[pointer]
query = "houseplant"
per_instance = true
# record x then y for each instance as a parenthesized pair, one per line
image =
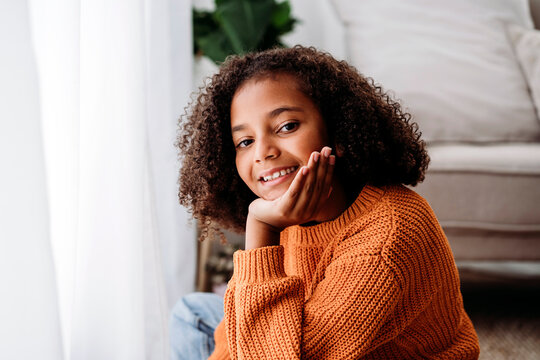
(240, 26)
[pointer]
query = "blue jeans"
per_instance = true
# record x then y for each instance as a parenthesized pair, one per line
(193, 321)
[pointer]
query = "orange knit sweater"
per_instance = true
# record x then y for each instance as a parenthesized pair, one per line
(378, 282)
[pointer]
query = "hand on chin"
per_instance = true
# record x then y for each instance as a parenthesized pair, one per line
(296, 204)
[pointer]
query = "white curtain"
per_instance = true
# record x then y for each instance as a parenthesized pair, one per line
(94, 249)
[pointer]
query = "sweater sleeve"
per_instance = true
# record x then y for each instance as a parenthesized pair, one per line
(347, 315)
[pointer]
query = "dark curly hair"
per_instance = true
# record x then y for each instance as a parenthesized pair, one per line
(379, 144)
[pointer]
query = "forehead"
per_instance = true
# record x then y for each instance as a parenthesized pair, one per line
(261, 96)
(282, 77)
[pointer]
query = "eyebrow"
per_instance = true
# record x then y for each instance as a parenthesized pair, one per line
(238, 128)
(272, 114)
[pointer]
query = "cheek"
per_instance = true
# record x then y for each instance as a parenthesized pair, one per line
(311, 144)
(243, 170)
(238, 165)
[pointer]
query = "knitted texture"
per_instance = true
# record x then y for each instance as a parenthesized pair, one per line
(378, 282)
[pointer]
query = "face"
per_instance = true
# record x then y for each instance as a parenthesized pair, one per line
(275, 128)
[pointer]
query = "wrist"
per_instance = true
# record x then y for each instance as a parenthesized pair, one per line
(259, 234)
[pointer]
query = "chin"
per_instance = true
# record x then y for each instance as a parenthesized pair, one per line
(272, 195)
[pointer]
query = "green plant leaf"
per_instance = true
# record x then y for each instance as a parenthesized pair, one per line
(216, 46)
(203, 25)
(281, 14)
(287, 27)
(203, 22)
(239, 26)
(244, 21)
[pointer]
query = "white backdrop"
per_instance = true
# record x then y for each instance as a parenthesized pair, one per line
(94, 249)
(319, 26)
(28, 308)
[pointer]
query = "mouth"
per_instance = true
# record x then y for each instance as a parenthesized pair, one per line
(278, 174)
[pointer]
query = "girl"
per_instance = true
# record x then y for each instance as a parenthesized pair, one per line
(341, 260)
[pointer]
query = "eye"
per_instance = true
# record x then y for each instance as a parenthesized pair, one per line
(244, 143)
(288, 127)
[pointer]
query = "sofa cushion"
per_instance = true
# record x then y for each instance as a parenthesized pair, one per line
(485, 187)
(450, 62)
(527, 47)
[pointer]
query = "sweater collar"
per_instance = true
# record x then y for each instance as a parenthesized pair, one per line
(320, 234)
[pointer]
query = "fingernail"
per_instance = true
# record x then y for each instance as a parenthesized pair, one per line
(316, 157)
(305, 170)
(327, 151)
(332, 160)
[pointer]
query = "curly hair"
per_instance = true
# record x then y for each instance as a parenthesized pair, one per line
(379, 144)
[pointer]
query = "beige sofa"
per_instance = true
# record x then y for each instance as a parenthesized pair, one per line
(483, 136)
(487, 197)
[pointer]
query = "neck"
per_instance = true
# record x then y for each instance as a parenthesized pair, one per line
(335, 205)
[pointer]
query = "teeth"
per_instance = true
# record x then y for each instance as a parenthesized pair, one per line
(279, 173)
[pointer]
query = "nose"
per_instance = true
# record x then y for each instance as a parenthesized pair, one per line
(265, 149)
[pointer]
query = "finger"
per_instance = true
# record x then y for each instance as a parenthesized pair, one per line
(328, 180)
(290, 197)
(302, 205)
(328, 175)
(320, 190)
(325, 179)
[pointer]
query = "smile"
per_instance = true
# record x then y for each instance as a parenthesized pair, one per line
(278, 174)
